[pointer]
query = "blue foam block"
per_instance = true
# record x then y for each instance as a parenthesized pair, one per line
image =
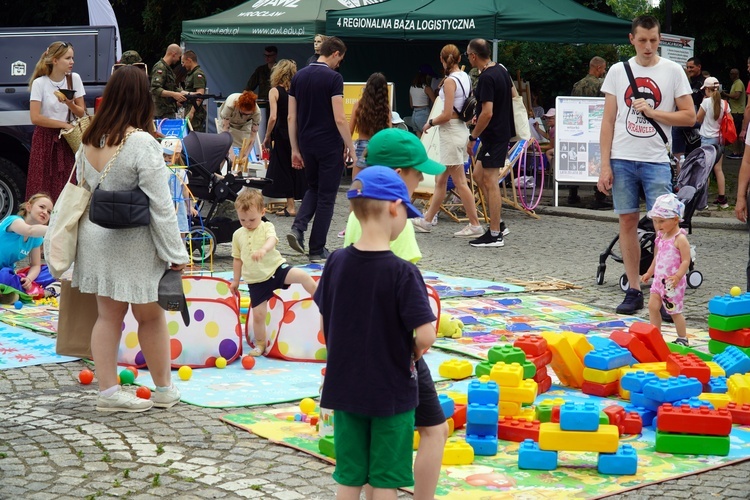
(623, 462)
(607, 358)
(726, 305)
(732, 360)
(483, 445)
(482, 414)
(670, 389)
(579, 416)
(634, 381)
(483, 392)
(530, 457)
(447, 404)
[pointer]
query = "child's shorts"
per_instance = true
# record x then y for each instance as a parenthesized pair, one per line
(374, 450)
(261, 292)
(428, 412)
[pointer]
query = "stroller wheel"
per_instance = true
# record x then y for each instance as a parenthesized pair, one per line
(201, 243)
(694, 279)
(600, 274)
(624, 285)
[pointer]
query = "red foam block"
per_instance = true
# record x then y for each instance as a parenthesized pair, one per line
(740, 338)
(517, 430)
(686, 420)
(544, 385)
(542, 360)
(740, 413)
(632, 424)
(651, 337)
(616, 414)
(689, 365)
(532, 345)
(601, 390)
(637, 348)
(459, 416)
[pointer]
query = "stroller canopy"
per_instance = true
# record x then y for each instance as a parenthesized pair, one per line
(207, 150)
(697, 167)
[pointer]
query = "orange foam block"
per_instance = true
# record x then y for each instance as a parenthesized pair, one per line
(651, 337)
(565, 361)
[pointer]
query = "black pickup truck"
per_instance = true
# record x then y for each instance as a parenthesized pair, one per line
(20, 49)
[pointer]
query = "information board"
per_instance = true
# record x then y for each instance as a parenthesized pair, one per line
(352, 94)
(578, 157)
(676, 48)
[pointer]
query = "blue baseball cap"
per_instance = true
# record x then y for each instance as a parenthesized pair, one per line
(383, 183)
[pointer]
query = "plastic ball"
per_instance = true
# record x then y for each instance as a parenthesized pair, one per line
(143, 392)
(307, 406)
(248, 362)
(185, 372)
(221, 362)
(86, 376)
(18, 304)
(735, 291)
(134, 370)
(126, 377)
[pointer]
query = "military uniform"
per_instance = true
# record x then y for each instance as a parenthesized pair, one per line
(196, 80)
(163, 78)
(589, 86)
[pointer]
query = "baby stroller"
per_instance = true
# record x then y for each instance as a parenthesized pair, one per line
(204, 156)
(690, 186)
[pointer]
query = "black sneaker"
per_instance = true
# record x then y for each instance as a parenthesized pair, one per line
(504, 229)
(683, 341)
(633, 302)
(665, 316)
(319, 258)
(296, 240)
(487, 240)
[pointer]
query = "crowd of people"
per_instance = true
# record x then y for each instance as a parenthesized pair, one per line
(311, 144)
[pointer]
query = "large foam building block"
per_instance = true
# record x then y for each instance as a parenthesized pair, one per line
(651, 337)
(688, 420)
(733, 360)
(530, 457)
(689, 365)
(726, 305)
(455, 369)
(622, 462)
(690, 444)
(603, 440)
(482, 414)
(740, 413)
(457, 452)
(565, 362)
(728, 323)
(738, 387)
(579, 416)
(607, 359)
(637, 348)
(506, 354)
(634, 381)
(483, 393)
(672, 389)
(483, 445)
(601, 390)
(532, 345)
(517, 430)
(740, 338)
(508, 375)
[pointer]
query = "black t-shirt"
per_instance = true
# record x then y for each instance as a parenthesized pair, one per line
(313, 87)
(494, 84)
(370, 303)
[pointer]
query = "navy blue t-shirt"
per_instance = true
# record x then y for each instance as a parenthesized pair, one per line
(371, 302)
(494, 84)
(313, 87)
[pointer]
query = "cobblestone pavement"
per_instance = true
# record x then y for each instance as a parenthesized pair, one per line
(53, 444)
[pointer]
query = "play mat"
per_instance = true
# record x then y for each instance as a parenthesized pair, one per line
(20, 348)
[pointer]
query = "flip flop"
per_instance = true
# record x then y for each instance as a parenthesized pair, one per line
(286, 213)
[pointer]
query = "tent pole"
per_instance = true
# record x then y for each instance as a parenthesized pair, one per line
(494, 50)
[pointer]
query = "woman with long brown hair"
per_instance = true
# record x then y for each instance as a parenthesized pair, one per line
(288, 182)
(370, 115)
(56, 100)
(122, 267)
(454, 135)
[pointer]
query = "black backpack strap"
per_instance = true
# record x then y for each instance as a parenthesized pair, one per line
(462, 90)
(637, 95)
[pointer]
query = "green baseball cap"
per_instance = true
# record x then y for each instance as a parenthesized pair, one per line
(396, 148)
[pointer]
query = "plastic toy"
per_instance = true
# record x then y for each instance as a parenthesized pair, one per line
(615, 414)
(689, 365)
(532, 345)
(517, 429)
(716, 370)
(126, 377)
(530, 457)
(622, 462)
(455, 369)
(450, 327)
(526, 392)
(733, 360)
(185, 372)
(579, 342)
(651, 338)
(248, 362)
(603, 440)
(481, 429)
(717, 347)
(221, 362)
(85, 376)
(691, 444)
(717, 400)
(740, 413)
(457, 452)
(544, 386)
(307, 406)
(634, 381)
(482, 445)
(735, 291)
(134, 370)
(482, 414)
(18, 304)
(483, 392)
(740, 338)
(542, 360)
(447, 404)
(637, 348)
(507, 375)
(693, 403)
(730, 305)
(601, 376)
(717, 385)
(143, 392)
(506, 354)
(684, 350)
(607, 359)
(544, 408)
(646, 415)
(728, 322)
(672, 389)
(579, 417)
(738, 387)
(565, 362)
(601, 390)
(459, 416)
(326, 447)
(688, 420)
(632, 423)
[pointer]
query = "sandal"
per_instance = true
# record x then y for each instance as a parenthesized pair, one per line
(286, 213)
(258, 350)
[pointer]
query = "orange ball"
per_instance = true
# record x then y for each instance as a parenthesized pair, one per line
(134, 370)
(248, 362)
(143, 392)
(86, 376)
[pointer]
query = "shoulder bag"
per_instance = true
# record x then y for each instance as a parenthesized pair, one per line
(74, 135)
(61, 239)
(119, 209)
(466, 114)
(727, 130)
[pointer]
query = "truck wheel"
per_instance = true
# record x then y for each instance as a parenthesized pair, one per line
(12, 185)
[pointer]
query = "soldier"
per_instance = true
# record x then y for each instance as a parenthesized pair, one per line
(164, 89)
(195, 83)
(130, 57)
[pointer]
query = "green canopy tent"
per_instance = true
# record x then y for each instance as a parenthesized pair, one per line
(554, 21)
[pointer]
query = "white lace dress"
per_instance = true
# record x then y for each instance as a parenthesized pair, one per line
(127, 264)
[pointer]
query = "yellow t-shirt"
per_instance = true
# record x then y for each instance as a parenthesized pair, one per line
(247, 241)
(405, 246)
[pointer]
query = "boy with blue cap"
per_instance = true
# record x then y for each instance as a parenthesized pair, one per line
(371, 380)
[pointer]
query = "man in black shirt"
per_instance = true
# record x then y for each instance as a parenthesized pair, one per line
(681, 146)
(495, 127)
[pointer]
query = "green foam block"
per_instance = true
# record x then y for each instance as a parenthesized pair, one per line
(681, 349)
(691, 444)
(728, 323)
(716, 347)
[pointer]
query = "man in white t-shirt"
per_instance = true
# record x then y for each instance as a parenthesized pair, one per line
(634, 155)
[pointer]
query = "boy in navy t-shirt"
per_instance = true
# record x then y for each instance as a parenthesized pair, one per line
(371, 382)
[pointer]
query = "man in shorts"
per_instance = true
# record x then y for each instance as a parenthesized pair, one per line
(495, 127)
(634, 156)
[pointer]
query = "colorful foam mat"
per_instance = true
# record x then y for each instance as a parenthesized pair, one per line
(20, 348)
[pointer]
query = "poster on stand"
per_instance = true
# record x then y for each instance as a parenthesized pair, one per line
(676, 48)
(578, 157)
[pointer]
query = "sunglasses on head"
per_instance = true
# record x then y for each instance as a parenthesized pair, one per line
(64, 45)
(139, 65)
(467, 54)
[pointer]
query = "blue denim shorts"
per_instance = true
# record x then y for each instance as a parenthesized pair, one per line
(710, 141)
(631, 176)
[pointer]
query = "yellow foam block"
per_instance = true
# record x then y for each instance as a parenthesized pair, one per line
(579, 343)
(663, 374)
(624, 394)
(416, 440)
(716, 370)
(601, 376)
(484, 379)
(739, 388)
(456, 369)
(509, 408)
(459, 398)
(458, 452)
(565, 362)
(527, 412)
(524, 393)
(507, 375)
(604, 440)
(718, 400)
(658, 366)
(547, 403)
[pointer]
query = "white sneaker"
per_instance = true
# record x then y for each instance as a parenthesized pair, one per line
(166, 399)
(469, 232)
(341, 234)
(435, 220)
(421, 225)
(122, 401)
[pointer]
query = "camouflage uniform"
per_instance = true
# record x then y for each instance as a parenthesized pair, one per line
(130, 57)
(588, 86)
(196, 80)
(163, 78)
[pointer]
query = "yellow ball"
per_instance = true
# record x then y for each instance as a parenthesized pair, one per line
(221, 362)
(185, 372)
(307, 406)
(735, 291)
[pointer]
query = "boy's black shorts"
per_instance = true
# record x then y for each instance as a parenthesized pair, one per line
(261, 292)
(429, 412)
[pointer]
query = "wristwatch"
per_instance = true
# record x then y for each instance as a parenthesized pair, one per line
(472, 139)
(430, 122)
